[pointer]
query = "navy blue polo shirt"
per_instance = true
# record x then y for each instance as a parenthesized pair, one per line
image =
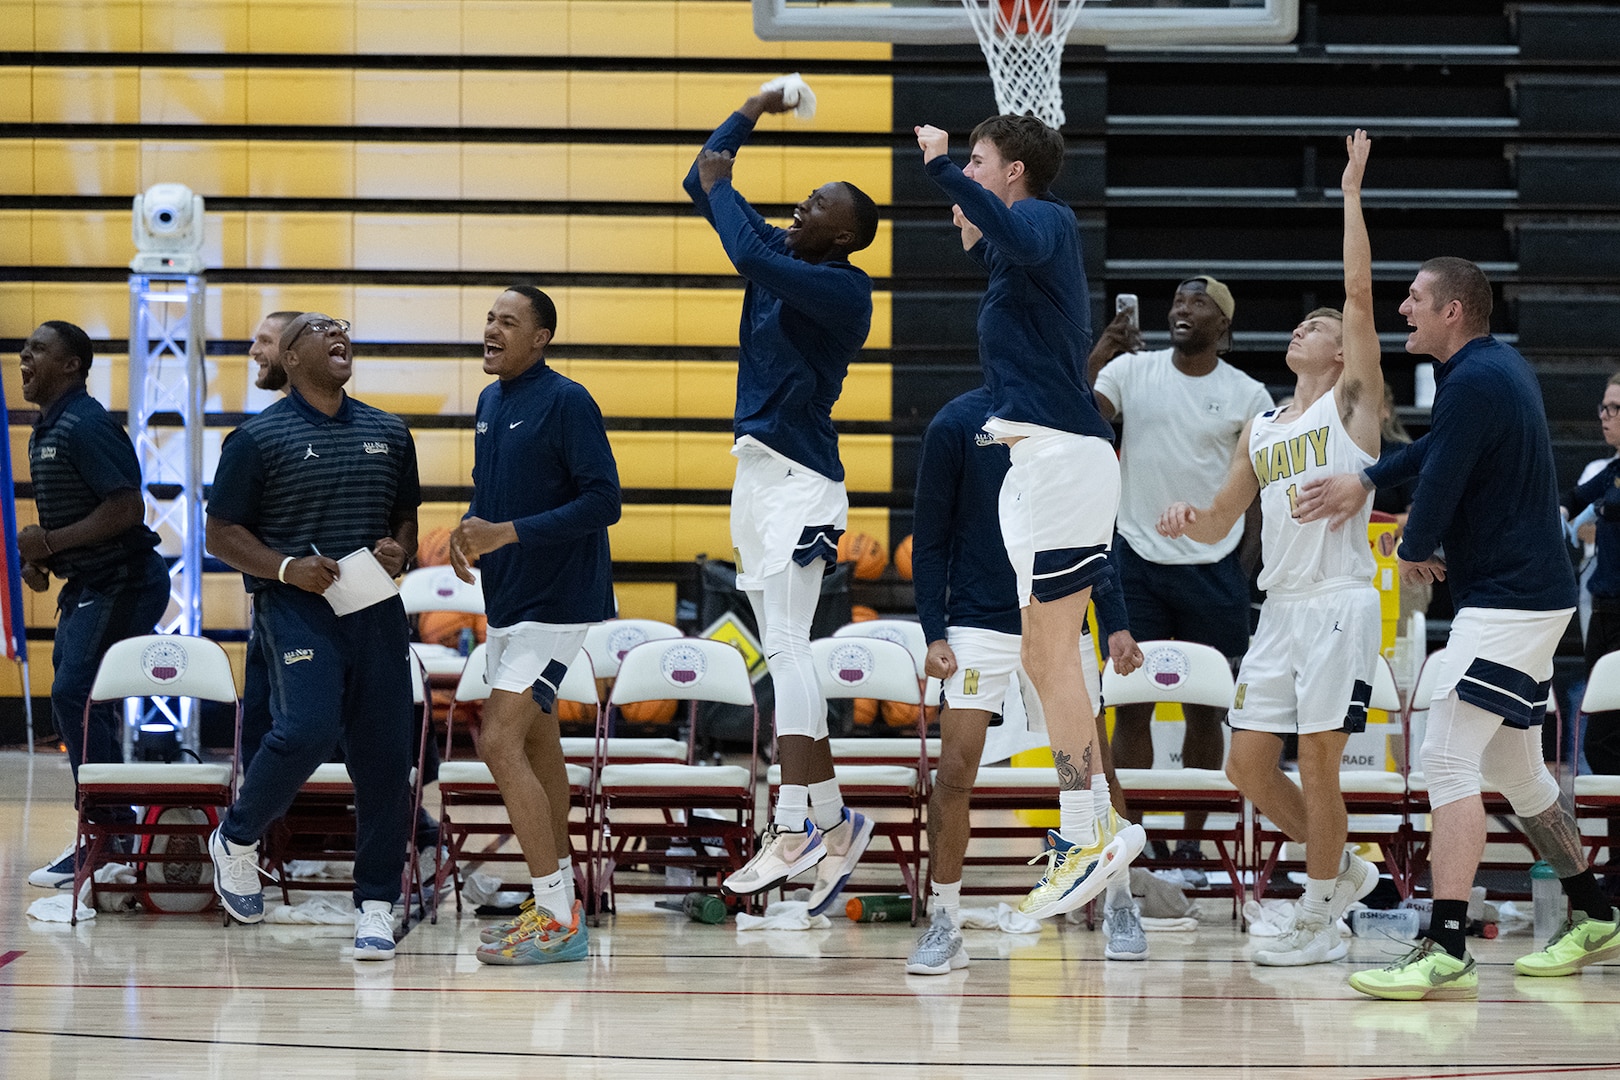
(300, 480)
(541, 460)
(959, 564)
(802, 323)
(78, 455)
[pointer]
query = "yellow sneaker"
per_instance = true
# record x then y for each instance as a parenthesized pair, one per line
(1578, 943)
(1427, 973)
(1074, 876)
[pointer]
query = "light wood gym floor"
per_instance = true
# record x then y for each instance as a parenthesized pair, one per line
(179, 996)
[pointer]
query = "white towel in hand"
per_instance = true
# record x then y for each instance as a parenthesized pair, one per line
(1003, 917)
(796, 93)
(783, 915)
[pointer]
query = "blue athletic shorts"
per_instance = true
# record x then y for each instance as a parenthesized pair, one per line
(1206, 603)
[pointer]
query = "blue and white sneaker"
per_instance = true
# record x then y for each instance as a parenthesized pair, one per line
(374, 930)
(236, 878)
(846, 843)
(781, 855)
(58, 873)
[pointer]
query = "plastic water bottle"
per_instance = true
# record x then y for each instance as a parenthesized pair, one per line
(878, 909)
(1547, 898)
(680, 877)
(464, 641)
(1396, 922)
(704, 908)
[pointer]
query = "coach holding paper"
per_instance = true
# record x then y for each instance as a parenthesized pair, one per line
(310, 479)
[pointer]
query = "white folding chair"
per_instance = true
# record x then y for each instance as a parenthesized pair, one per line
(886, 750)
(1186, 673)
(1597, 798)
(609, 641)
(469, 783)
(157, 666)
(691, 670)
(437, 588)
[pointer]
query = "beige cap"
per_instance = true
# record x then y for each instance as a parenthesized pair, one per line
(1218, 293)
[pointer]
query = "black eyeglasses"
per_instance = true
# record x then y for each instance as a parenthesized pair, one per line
(1606, 410)
(320, 326)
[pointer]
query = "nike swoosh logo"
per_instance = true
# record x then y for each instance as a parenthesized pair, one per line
(1437, 979)
(87, 603)
(509, 427)
(1593, 943)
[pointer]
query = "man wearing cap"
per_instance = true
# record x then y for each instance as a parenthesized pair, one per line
(1184, 409)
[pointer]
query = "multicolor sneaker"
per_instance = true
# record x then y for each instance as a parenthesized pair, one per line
(374, 930)
(1126, 941)
(489, 935)
(781, 856)
(236, 878)
(846, 843)
(1077, 875)
(541, 940)
(1355, 881)
(939, 951)
(1427, 973)
(1311, 941)
(58, 873)
(1581, 941)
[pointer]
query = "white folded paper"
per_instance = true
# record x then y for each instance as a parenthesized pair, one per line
(361, 583)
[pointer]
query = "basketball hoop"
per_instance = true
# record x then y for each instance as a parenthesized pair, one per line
(1023, 41)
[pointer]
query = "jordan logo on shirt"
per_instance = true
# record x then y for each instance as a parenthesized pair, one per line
(309, 452)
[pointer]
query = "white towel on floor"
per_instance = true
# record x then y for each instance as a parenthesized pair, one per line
(1003, 917)
(783, 915)
(321, 909)
(1152, 925)
(58, 908)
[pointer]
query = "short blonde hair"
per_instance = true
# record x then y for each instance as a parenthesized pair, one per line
(1329, 313)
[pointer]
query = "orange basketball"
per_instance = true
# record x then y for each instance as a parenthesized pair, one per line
(902, 558)
(897, 714)
(866, 552)
(574, 712)
(433, 549)
(862, 613)
(866, 711)
(649, 712)
(444, 627)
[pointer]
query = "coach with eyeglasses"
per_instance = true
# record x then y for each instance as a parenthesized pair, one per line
(309, 480)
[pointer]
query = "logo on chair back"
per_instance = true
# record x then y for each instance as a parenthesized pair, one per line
(1167, 667)
(683, 665)
(623, 640)
(851, 665)
(883, 633)
(163, 661)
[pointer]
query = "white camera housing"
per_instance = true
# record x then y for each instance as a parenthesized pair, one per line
(168, 231)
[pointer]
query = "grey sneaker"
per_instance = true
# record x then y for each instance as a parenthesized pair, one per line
(1354, 882)
(940, 950)
(1309, 942)
(1126, 941)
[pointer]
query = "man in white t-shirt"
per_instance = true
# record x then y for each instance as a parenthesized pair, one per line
(1184, 409)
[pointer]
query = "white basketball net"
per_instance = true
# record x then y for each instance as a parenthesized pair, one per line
(1023, 41)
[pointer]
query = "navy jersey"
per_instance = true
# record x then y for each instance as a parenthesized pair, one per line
(959, 565)
(302, 481)
(1486, 486)
(541, 460)
(802, 323)
(78, 455)
(1035, 318)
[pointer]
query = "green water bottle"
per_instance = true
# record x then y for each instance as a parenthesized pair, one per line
(878, 908)
(704, 908)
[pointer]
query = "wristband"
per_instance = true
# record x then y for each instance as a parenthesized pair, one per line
(281, 574)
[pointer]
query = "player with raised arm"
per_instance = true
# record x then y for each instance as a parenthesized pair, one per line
(806, 312)
(1058, 502)
(1309, 670)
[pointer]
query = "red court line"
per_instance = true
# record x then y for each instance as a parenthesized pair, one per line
(8, 957)
(1538, 1070)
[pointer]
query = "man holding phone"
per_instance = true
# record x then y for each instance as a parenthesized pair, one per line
(1184, 410)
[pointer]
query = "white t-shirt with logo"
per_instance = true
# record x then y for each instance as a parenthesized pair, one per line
(1180, 431)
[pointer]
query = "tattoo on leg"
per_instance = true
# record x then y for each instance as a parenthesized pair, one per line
(1085, 770)
(1067, 779)
(1557, 839)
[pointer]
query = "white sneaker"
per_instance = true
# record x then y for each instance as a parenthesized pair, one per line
(939, 951)
(374, 930)
(846, 842)
(1309, 942)
(1354, 881)
(236, 878)
(59, 871)
(781, 855)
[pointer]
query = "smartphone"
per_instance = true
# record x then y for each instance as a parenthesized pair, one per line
(1127, 302)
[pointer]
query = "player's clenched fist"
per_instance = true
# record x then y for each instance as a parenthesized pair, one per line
(1177, 519)
(935, 142)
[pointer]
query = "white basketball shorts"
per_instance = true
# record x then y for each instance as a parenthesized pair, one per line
(988, 667)
(782, 513)
(1310, 666)
(532, 657)
(1501, 659)
(1057, 506)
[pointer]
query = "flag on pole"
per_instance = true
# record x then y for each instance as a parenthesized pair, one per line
(11, 599)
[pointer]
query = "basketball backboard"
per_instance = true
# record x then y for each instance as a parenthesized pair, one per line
(1102, 22)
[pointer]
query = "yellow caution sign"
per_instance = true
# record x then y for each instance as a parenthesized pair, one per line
(729, 630)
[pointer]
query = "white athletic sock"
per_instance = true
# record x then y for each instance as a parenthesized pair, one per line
(1077, 822)
(826, 804)
(792, 807)
(1318, 892)
(1099, 795)
(1119, 893)
(947, 897)
(551, 893)
(565, 867)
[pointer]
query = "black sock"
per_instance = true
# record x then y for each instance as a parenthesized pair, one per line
(1587, 897)
(1448, 924)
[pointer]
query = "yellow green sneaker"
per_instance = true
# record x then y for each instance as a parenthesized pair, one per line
(1427, 973)
(1074, 876)
(489, 935)
(1579, 942)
